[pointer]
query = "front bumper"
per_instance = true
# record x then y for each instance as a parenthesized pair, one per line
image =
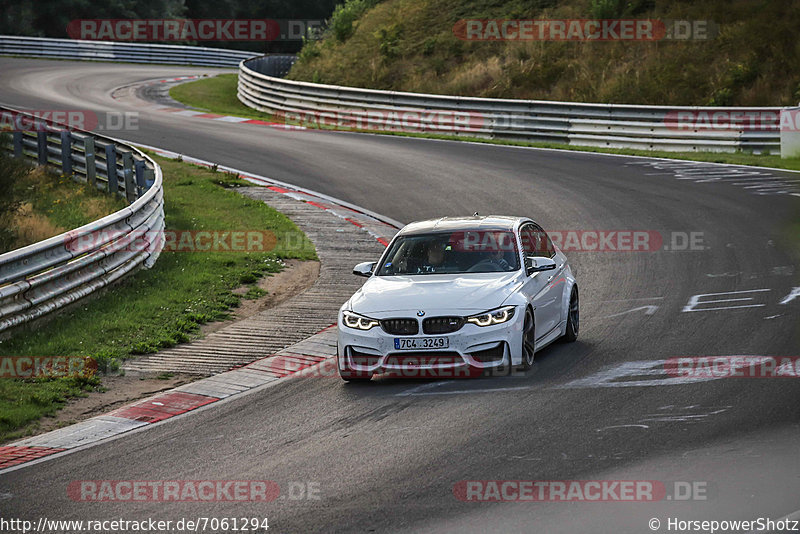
(471, 347)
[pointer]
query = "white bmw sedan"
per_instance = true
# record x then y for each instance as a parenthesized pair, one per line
(458, 296)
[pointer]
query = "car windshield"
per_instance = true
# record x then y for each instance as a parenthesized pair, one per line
(464, 251)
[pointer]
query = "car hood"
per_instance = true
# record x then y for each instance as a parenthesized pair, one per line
(464, 293)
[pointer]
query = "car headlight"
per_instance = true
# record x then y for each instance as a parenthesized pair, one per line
(359, 322)
(492, 317)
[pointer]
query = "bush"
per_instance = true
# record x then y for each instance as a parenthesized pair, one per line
(607, 9)
(612, 9)
(721, 97)
(344, 15)
(429, 46)
(389, 39)
(309, 51)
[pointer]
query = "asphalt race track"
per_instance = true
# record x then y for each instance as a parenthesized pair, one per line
(386, 455)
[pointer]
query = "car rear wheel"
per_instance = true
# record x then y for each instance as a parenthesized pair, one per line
(573, 317)
(528, 340)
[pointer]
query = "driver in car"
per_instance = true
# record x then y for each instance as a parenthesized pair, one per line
(420, 258)
(498, 257)
(491, 260)
(434, 257)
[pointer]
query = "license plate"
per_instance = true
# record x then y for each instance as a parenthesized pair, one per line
(421, 343)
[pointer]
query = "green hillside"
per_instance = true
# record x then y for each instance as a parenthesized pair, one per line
(409, 45)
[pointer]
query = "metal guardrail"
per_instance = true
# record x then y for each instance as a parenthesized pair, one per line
(115, 51)
(48, 275)
(276, 65)
(600, 125)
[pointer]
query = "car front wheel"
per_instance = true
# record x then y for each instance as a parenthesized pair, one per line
(528, 340)
(573, 317)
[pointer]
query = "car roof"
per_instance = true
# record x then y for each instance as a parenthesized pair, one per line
(452, 224)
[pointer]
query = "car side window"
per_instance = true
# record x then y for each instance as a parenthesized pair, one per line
(536, 242)
(544, 247)
(528, 238)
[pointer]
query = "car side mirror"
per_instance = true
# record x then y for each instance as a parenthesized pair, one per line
(364, 269)
(535, 264)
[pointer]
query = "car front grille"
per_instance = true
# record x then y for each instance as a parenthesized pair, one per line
(442, 325)
(400, 327)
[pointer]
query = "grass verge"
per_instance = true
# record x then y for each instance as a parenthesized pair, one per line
(155, 308)
(205, 94)
(215, 95)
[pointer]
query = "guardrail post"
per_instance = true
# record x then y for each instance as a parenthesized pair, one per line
(111, 169)
(127, 175)
(149, 178)
(41, 145)
(66, 153)
(17, 144)
(139, 165)
(91, 167)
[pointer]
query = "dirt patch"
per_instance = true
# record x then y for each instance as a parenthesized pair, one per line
(293, 280)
